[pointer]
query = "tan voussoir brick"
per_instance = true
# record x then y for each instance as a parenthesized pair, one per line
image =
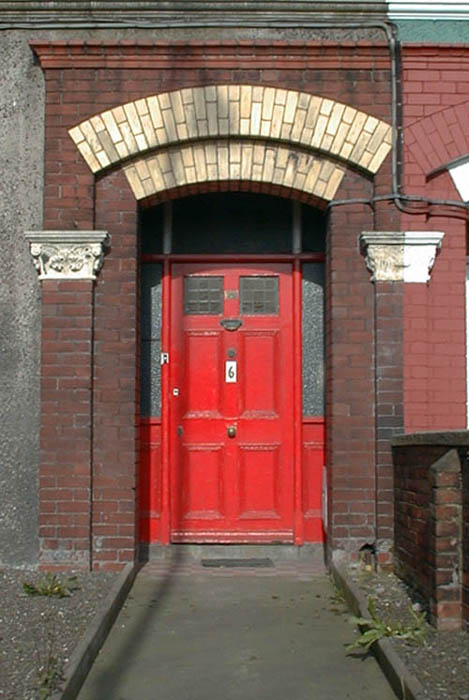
(148, 130)
(255, 125)
(339, 138)
(108, 146)
(119, 115)
(379, 157)
(97, 123)
(200, 163)
(222, 101)
(164, 100)
(297, 129)
(103, 159)
(326, 107)
(212, 118)
(199, 104)
(280, 97)
(132, 118)
(268, 104)
(134, 182)
(360, 147)
(177, 107)
(177, 167)
(335, 119)
(333, 183)
(111, 126)
(169, 125)
(156, 175)
(155, 112)
(246, 162)
(277, 121)
(290, 107)
(122, 149)
(89, 156)
(128, 137)
(321, 126)
(223, 162)
(245, 102)
(91, 137)
(313, 174)
(77, 135)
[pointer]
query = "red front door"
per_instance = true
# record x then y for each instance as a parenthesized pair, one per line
(231, 419)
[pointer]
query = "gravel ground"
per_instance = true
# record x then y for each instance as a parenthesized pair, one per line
(441, 663)
(34, 629)
(37, 629)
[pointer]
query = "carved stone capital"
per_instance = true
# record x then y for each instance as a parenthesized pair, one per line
(400, 256)
(67, 255)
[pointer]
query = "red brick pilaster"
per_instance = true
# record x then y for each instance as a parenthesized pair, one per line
(115, 400)
(67, 263)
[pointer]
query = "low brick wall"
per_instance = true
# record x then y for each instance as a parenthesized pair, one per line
(431, 533)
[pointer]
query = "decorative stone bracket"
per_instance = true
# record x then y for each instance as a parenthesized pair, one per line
(68, 254)
(400, 256)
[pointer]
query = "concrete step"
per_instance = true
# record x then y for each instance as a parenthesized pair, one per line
(195, 553)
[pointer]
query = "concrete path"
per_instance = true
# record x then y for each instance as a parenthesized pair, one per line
(188, 632)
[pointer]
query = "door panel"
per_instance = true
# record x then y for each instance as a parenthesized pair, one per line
(231, 424)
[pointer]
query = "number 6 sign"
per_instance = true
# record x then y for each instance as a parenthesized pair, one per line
(230, 371)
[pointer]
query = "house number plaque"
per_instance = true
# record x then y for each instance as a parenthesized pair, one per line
(230, 372)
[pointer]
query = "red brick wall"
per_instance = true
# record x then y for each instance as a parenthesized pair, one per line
(435, 101)
(429, 535)
(81, 83)
(115, 387)
(350, 389)
(65, 478)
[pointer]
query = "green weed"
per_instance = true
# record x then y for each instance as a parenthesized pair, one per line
(374, 628)
(52, 585)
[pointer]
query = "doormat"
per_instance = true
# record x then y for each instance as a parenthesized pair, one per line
(238, 563)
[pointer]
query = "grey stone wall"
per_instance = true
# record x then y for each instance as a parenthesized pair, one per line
(21, 151)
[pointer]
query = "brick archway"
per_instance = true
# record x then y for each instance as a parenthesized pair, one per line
(235, 132)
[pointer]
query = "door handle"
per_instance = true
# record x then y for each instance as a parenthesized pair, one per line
(231, 431)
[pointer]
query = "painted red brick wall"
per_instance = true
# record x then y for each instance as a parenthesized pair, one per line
(435, 101)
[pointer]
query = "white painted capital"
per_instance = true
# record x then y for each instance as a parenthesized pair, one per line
(400, 256)
(67, 255)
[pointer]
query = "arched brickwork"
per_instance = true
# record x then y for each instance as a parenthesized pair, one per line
(439, 138)
(218, 132)
(254, 161)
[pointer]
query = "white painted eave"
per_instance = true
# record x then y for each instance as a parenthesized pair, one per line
(428, 9)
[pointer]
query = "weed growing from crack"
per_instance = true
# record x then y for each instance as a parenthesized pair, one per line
(52, 585)
(374, 628)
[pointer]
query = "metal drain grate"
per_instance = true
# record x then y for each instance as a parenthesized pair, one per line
(238, 563)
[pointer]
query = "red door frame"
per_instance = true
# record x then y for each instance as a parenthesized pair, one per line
(167, 261)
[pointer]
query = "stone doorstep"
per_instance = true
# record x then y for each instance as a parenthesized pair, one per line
(313, 554)
(403, 682)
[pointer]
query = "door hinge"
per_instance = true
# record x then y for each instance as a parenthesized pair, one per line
(164, 360)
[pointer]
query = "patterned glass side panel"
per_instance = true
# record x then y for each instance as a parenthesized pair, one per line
(203, 295)
(150, 370)
(313, 339)
(259, 295)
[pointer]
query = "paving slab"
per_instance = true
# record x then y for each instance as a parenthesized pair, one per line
(194, 632)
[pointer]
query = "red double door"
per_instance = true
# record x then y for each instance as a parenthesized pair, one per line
(231, 395)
